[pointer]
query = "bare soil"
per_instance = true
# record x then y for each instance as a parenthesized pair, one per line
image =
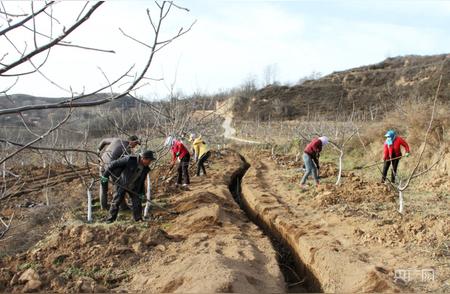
(209, 246)
(351, 238)
(342, 239)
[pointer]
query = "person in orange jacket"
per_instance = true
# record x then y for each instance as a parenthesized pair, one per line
(393, 154)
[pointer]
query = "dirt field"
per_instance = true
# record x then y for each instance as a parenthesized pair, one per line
(333, 239)
(209, 246)
(351, 238)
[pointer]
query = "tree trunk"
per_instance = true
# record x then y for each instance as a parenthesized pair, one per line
(338, 182)
(89, 206)
(149, 194)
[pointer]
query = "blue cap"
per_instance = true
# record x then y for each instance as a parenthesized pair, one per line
(390, 134)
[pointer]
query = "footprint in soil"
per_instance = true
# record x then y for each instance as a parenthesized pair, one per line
(253, 281)
(169, 259)
(173, 286)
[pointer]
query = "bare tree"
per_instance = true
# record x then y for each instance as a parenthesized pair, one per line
(270, 73)
(11, 69)
(404, 183)
(314, 75)
(339, 134)
(415, 172)
(30, 56)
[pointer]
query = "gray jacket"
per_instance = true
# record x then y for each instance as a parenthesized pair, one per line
(116, 148)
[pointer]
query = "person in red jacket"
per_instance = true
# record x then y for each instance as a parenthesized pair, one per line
(181, 155)
(393, 153)
(311, 156)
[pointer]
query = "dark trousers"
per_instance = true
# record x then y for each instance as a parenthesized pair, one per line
(104, 193)
(387, 164)
(183, 170)
(119, 197)
(201, 163)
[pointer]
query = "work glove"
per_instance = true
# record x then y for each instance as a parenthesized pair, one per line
(104, 180)
(407, 154)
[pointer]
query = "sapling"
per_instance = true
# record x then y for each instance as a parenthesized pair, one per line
(148, 196)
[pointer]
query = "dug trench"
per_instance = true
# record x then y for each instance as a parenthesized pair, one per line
(298, 278)
(305, 251)
(209, 246)
(212, 245)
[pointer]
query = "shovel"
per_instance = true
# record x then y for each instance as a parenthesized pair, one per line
(376, 163)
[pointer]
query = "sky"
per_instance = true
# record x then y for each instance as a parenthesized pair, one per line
(230, 43)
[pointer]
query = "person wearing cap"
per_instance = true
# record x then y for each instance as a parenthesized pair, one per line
(181, 155)
(113, 149)
(132, 171)
(201, 152)
(311, 156)
(392, 154)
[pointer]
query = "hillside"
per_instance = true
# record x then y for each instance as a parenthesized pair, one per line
(370, 90)
(40, 117)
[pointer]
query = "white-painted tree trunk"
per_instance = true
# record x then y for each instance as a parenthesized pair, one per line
(89, 206)
(47, 199)
(400, 195)
(100, 185)
(338, 182)
(400, 200)
(149, 197)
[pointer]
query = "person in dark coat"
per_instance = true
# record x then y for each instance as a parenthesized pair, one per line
(132, 171)
(113, 149)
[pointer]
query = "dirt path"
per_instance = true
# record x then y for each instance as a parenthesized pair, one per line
(222, 250)
(345, 247)
(230, 132)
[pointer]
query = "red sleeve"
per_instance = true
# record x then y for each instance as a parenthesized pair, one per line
(404, 144)
(386, 152)
(174, 153)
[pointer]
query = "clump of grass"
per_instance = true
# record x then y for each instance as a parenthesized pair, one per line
(27, 265)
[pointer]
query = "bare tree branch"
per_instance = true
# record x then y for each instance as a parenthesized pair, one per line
(425, 141)
(26, 19)
(37, 139)
(52, 43)
(50, 148)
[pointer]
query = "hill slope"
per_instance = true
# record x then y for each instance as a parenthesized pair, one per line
(370, 90)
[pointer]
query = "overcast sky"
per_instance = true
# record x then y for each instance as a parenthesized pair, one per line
(233, 41)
